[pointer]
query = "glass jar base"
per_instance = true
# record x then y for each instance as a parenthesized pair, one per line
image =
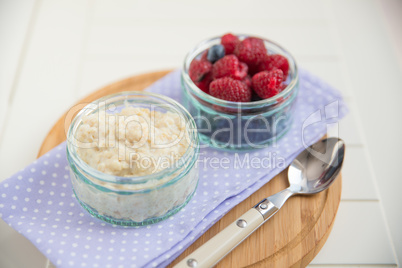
(130, 223)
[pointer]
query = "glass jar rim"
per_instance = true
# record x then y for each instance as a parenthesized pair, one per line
(188, 157)
(203, 45)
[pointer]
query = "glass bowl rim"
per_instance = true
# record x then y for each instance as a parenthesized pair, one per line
(191, 55)
(189, 156)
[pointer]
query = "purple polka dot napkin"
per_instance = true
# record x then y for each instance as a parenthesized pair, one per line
(38, 201)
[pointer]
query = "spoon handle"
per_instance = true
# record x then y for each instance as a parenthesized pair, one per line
(211, 252)
(224, 242)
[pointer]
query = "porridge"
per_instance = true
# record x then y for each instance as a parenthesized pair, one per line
(132, 143)
(139, 164)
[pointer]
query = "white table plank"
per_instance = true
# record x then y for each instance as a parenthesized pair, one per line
(376, 79)
(358, 237)
(47, 82)
(157, 38)
(392, 11)
(45, 88)
(357, 177)
(15, 17)
(13, 246)
(187, 11)
(349, 128)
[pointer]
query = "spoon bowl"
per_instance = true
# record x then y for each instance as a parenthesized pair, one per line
(317, 167)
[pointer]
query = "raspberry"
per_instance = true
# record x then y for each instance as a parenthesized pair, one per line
(282, 87)
(229, 66)
(243, 70)
(204, 83)
(251, 51)
(268, 84)
(271, 62)
(199, 69)
(229, 41)
(247, 81)
(230, 89)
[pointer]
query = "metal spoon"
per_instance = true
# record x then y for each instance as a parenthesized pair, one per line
(311, 172)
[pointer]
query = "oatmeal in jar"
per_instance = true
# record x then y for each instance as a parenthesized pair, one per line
(134, 166)
(134, 142)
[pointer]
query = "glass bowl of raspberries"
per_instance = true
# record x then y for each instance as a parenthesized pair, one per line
(240, 90)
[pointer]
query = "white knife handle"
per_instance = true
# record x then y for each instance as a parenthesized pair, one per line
(225, 241)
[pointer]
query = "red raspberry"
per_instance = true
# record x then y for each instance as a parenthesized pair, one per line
(230, 89)
(229, 66)
(268, 84)
(204, 83)
(271, 62)
(199, 69)
(282, 87)
(229, 42)
(251, 51)
(243, 70)
(247, 81)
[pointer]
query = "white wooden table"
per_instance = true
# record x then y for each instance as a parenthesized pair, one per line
(53, 52)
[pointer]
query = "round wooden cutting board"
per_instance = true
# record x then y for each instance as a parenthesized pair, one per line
(292, 238)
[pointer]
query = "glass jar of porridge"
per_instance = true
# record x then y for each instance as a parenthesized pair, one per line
(133, 158)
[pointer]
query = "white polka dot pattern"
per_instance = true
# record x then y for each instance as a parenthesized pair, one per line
(38, 201)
